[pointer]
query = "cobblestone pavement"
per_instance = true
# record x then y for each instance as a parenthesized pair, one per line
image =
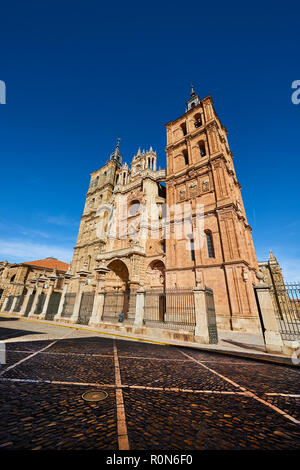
(159, 397)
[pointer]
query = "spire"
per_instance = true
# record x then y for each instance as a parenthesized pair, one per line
(272, 258)
(192, 90)
(115, 155)
(193, 101)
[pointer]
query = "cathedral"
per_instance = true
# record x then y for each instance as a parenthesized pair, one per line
(130, 229)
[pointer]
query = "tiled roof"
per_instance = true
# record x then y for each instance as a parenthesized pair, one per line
(49, 263)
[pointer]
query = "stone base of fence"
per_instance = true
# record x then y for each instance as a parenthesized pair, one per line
(155, 333)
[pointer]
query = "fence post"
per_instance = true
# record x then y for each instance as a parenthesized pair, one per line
(272, 334)
(75, 314)
(13, 304)
(82, 281)
(26, 300)
(201, 328)
(46, 303)
(35, 301)
(67, 279)
(98, 306)
(5, 303)
(139, 308)
(52, 280)
(40, 284)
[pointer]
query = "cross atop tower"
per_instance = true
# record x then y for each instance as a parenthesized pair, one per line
(194, 99)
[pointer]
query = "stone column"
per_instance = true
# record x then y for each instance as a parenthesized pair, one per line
(139, 308)
(47, 299)
(201, 328)
(82, 281)
(4, 303)
(35, 301)
(52, 280)
(13, 305)
(67, 279)
(40, 284)
(98, 306)
(26, 300)
(272, 335)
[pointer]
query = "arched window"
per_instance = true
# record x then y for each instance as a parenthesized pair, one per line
(192, 246)
(210, 245)
(12, 278)
(198, 120)
(183, 128)
(96, 180)
(202, 149)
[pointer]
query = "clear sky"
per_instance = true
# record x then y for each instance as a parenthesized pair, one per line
(79, 74)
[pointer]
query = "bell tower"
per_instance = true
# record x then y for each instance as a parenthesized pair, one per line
(200, 172)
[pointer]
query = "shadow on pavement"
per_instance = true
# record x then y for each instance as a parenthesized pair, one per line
(9, 319)
(6, 333)
(244, 346)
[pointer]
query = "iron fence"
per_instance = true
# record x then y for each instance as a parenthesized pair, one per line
(53, 305)
(68, 306)
(172, 308)
(40, 303)
(19, 303)
(288, 311)
(116, 302)
(86, 307)
(29, 304)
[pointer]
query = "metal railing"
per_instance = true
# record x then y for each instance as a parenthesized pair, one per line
(68, 306)
(116, 302)
(172, 308)
(288, 312)
(19, 303)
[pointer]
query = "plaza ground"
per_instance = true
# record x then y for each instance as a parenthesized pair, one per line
(159, 397)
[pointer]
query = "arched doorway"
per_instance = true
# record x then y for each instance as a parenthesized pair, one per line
(118, 276)
(117, 294)
(156, 275)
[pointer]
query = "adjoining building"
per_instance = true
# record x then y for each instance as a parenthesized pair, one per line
(15, 278)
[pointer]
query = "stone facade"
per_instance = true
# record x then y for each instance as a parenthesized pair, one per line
(131, 256)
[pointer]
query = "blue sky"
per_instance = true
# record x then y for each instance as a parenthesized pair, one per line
(79, 74)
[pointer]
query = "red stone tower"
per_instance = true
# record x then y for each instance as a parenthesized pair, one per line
(200, 171)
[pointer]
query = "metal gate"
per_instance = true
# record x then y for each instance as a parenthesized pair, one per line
(40, 303)
(68, 305)
(19, 303)
(114, 304)
(29, 305)
(53, 305)
(86, 307)
(172, 308)
(211, 316)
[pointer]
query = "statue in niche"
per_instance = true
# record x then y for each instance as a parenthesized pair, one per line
(181, 194)
(205, 185)
(193, 189)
